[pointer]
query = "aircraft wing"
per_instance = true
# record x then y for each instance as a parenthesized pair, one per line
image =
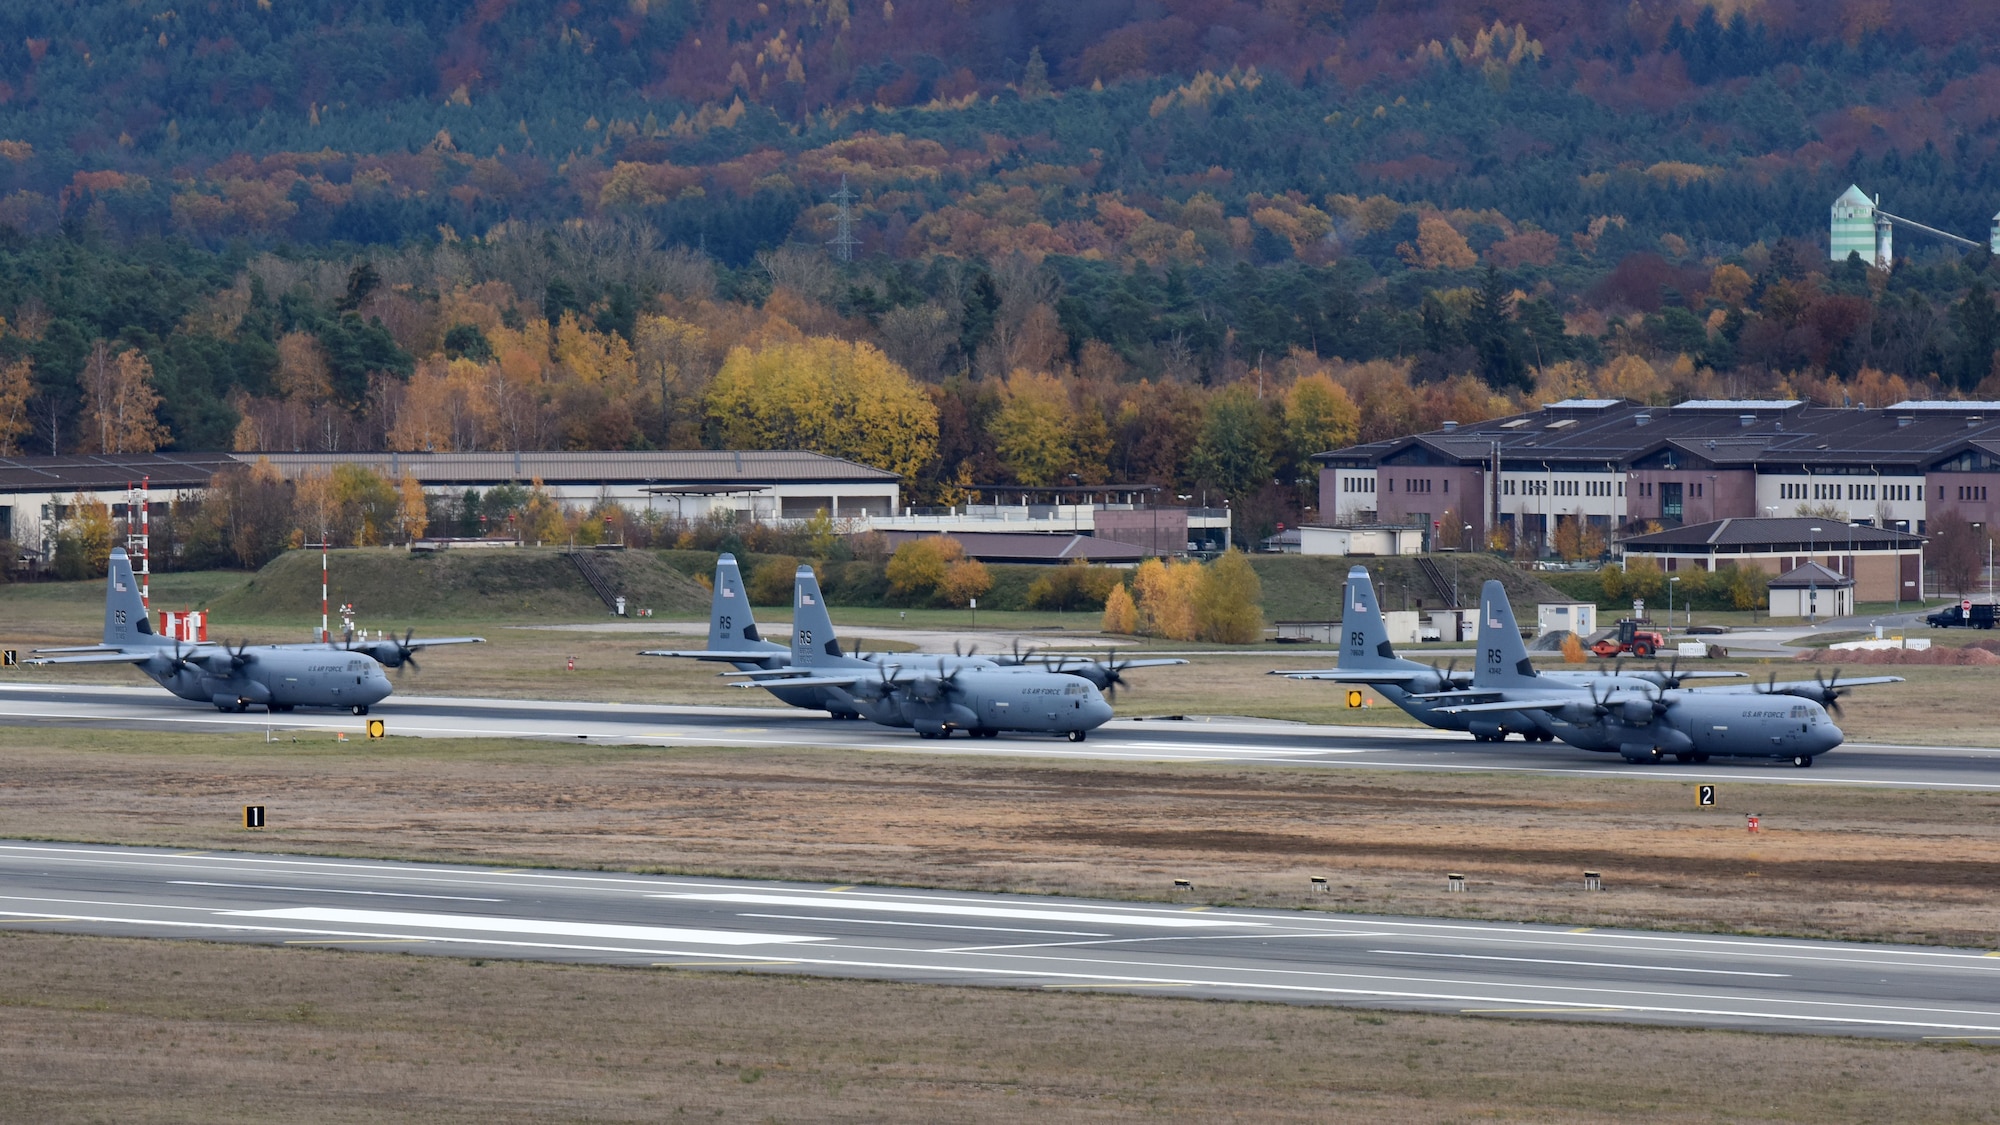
(746, 656)
(1807, 688)
(1549, 704)
(94, 658)
(433, 642)
(809, 681)
(1057, 663)
(80, 648)
(1357, 677)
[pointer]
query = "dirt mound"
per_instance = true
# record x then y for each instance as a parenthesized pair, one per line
(1969, 656)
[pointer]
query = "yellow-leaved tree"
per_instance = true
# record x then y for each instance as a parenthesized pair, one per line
(1031, 433)
(1121, 614)
(16, 383)
(1165, 593)
(120, 406)
(1226, 601)
(83, 538)
(827, 396)
(1319, 416)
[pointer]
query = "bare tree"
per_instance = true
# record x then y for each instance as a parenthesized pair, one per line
(919, 337)
(1955, 551)
(804, 270)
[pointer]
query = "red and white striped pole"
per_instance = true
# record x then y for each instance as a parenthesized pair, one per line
(146, 542)
(324, 636)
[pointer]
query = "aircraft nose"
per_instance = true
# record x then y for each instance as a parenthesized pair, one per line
(1098, 712)
(1829, 737)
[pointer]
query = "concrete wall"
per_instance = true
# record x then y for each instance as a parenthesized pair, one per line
(1163, 531)
(1435, 493)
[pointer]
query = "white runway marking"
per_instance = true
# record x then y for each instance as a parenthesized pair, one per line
(921, 925)
(518, 926)
(1583, 964)
(329, 891)
(892, 906)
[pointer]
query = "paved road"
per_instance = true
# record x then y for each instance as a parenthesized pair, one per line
(1034, 942)
(1245, 741)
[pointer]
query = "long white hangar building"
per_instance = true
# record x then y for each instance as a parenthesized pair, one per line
(761, 486)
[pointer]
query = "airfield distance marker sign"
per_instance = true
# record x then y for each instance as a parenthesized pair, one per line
(376, 729)
(253, 816)
(12, 657)
(1704, 796)
(1353, 699)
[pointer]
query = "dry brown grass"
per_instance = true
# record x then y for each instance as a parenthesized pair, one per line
(102, 1029)
(1902, 865)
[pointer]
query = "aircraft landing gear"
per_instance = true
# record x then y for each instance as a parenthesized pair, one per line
(1802, 761)
(1076, 736)
(242, 705)
(360, 709)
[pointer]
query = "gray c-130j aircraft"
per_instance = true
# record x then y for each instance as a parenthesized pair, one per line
(734, 639)
(1646, 723)
(1422, 690)
(930, 694)
(277, 677)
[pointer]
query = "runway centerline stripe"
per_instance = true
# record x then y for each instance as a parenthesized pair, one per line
(1585, 964)
(919, 925)
(329, 890)
(1037, 914)
(502, 925)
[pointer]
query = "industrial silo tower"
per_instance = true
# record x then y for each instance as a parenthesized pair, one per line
(1861, 226)
(1857, 229)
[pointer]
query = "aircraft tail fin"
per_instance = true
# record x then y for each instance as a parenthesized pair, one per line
(125, 618)
(813, 643)
(1364, 639)
(1503, 659)
(730, 622)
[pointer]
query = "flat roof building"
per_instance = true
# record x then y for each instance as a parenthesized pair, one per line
(1618, 466)
(761, 485)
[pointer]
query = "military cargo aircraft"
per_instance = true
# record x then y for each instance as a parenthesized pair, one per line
(929, 694)
(1646, 723)
(276, 677)
(734, 639)
(1423, 690)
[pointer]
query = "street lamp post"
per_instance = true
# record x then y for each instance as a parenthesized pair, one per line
(1812, 582)
(1670, 599)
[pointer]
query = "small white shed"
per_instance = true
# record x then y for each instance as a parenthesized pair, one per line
(1575, 617)
(1361, 541)
(1811, 590)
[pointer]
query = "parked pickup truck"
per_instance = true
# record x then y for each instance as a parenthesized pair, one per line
(1981, 617)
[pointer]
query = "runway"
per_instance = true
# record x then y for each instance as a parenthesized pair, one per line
(1020, 941)
(1191, 739)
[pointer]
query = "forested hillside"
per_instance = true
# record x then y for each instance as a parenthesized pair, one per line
(1185, 241)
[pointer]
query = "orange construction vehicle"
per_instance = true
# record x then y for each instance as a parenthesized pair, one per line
(1629, 637)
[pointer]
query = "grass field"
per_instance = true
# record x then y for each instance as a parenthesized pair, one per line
(101, 1029)
(1901, 865)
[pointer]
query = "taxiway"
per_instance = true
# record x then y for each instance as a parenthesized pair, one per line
(1189, 739)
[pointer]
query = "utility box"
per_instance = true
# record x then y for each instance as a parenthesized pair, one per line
(1402, 625)
(1455, 624)
(1574, 617)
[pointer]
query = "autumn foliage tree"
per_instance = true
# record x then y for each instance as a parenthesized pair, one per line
(120, 405)
(825, 395)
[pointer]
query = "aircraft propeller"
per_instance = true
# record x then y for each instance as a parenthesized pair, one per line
(1447, 676)
(1830, 691)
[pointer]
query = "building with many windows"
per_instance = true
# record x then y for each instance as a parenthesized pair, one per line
(1619, 467)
